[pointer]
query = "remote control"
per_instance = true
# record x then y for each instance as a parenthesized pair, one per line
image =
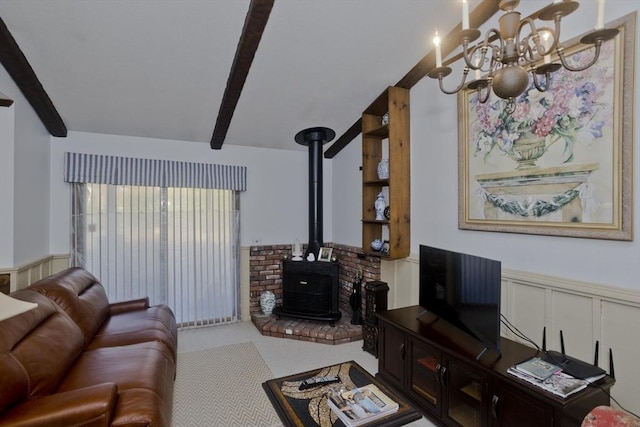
(316, 382)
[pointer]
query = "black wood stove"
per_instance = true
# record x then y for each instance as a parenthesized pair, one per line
(310, 289)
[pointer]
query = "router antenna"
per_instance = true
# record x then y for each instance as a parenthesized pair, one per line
(561, 343)
(595, 356)
(612, 373)
(544, 339)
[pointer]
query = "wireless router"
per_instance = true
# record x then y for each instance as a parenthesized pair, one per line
(572, 366)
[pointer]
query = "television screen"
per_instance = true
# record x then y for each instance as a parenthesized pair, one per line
(463, 290)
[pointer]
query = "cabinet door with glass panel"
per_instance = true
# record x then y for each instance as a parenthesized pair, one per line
(425, 379)
(464, 393)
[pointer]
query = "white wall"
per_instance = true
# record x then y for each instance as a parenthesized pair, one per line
(434, 194)
(7, 121)
(274, 209)
(347, 194)
(27, 147)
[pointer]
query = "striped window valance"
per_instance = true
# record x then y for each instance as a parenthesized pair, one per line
(101, 169)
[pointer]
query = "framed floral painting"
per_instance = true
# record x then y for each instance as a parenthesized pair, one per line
(557, 162)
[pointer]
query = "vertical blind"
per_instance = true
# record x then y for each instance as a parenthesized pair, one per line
(178, 245)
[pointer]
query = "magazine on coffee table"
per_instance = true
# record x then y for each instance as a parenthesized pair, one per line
(361, 405)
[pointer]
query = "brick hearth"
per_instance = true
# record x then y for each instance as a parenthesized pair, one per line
(266, 274)
(308, 330)
(265, 265)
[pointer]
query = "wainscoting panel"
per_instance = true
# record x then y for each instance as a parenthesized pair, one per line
(585, 312)
(23, 276)
(245, 284)
(402, 276)
(573, 314)
(527, 318)
(620, 331)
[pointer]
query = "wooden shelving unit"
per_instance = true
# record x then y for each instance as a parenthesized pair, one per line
(379, 141)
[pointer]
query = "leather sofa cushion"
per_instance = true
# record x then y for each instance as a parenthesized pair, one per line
(144, 374)
(80, 295)
(155, 323)
(87, 407)
(37, 348)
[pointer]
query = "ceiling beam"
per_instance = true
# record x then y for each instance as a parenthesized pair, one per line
(5, 101)
(25, 78)
(254, 24)
(344, 140)
(479, 16)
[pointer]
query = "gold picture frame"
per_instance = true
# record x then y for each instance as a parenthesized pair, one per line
(581, 186)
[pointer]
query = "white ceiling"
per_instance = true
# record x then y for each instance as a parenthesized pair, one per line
(158, 68)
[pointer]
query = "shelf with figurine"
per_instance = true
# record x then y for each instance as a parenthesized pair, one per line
(386, 207)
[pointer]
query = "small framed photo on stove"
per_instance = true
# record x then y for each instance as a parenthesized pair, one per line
(325, 254)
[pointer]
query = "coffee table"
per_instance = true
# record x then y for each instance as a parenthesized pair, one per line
(309, 407)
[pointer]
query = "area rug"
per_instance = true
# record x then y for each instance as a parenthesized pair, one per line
(222, 387)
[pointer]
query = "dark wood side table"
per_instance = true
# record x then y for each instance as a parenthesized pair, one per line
(375, 301)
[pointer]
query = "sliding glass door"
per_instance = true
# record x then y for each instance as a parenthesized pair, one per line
(178, 246)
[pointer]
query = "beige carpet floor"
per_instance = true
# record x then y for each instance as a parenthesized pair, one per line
(282, 356)
(222, 387)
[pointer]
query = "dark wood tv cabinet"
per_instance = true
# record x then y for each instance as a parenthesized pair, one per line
(434, 365)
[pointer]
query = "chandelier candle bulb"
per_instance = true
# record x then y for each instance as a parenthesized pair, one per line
(465, 15)
(545, 41)
(600, 16)
(436, 42)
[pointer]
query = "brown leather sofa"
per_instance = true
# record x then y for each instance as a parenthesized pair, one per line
(77, 360)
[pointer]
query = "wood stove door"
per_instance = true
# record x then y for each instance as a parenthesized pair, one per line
(308, 293)
(310, 288)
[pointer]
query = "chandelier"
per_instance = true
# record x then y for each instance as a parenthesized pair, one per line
(509, 54)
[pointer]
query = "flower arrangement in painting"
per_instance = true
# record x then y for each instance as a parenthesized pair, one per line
(571, 112)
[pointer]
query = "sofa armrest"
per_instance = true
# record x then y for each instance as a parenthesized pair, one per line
(88, 406)
(131, 305)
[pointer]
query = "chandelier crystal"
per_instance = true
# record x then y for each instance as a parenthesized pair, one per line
(509, 54)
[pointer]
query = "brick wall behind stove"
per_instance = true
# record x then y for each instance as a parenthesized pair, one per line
(265, 266)
(265, 273)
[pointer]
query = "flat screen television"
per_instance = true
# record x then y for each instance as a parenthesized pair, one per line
(463, 290)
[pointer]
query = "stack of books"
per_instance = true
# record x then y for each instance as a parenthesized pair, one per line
(361, 405)
(550, 377)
